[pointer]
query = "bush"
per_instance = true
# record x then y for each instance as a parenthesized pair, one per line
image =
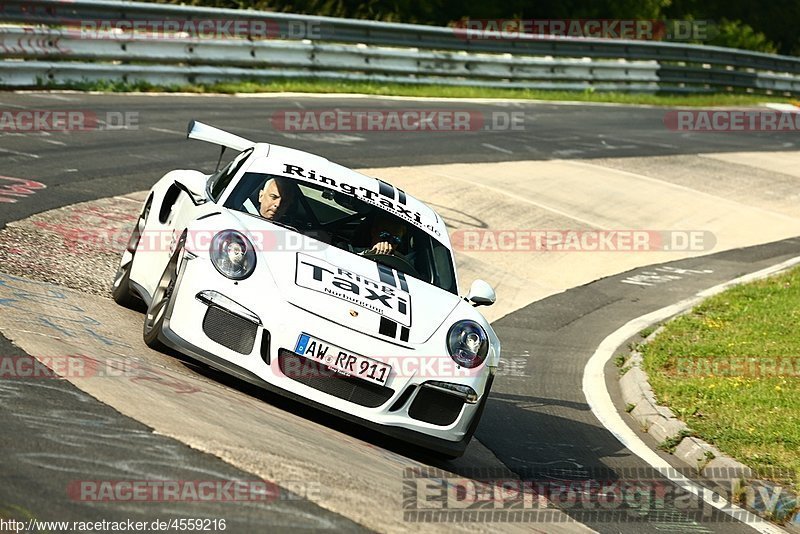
(736, 34)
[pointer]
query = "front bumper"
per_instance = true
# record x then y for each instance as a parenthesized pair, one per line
(406, 408)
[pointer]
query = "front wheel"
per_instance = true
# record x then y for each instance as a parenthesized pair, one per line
(121, 289)
(162, 296)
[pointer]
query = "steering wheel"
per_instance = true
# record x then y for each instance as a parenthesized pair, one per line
(395, 261)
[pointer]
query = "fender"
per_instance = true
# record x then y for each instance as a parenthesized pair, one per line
(172, 208)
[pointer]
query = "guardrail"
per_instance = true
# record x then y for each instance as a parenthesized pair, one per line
(189, 60)
(53, 48)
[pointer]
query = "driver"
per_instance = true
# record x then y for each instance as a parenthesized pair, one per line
(386, 233)
(275, 199)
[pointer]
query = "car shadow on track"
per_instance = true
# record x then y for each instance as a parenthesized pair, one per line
(532, 441)
(508, 428)
(370, 437)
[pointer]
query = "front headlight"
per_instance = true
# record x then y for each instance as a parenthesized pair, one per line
(467, 343)
(233, 255)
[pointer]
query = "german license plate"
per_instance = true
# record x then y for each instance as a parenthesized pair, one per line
(342, 361)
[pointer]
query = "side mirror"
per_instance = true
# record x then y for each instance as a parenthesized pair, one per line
(481, 294)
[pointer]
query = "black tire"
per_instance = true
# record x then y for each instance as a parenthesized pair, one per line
(121, 290)
(154, 317)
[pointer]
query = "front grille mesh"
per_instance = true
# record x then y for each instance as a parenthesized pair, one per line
(403, 399)
(230, 330)
(319, 377)
(435, 407)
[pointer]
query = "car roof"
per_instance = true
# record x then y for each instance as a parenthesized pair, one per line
(300, 165)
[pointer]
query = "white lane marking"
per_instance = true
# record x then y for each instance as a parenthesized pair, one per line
(567, 153)
(41, 136)
(53, 142)
(53, 96)
(779, 106)
(738, 205)
(287, 94)
(525, 200)
(553, 139)
(652, 277)
(28, 154)
(6, 105)
(503, 150)
(164, 130)
(497, 101)
(332, 138)
(641, 143)
(599, 399)
(615, 147)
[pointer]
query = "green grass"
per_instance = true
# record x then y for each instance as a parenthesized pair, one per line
(647, 331)
(671, 443)
(320, 86)
(752, 415)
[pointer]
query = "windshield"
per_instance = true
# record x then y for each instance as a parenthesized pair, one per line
(346, 223)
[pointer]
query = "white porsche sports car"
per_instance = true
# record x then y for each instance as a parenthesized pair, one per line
(316, 282)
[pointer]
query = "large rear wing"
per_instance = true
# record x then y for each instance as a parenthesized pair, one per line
(204, 132)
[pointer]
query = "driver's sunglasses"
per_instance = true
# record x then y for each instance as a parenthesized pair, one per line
(390, 238)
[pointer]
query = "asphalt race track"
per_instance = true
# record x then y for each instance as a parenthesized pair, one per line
(537, 425)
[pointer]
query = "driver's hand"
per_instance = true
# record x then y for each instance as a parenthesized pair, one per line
(383, 247)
